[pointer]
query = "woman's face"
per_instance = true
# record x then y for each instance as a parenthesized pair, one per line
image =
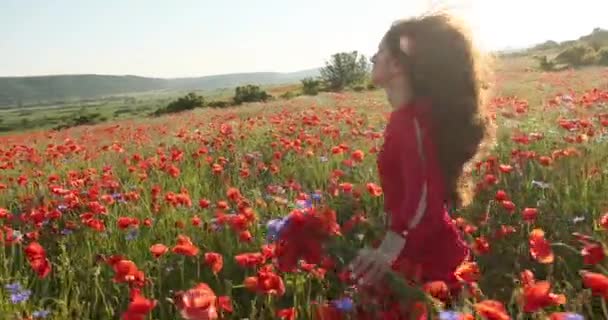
(385, 66)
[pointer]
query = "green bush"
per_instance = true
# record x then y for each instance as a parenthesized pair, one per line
(80, 118)
(187, 102)
(311, 86)
(250, 93)
(602, 56)
(289, 95)
(218, 104)
(545, 64)
(577, 55)
(345, 69)
(358, 88)
(371, 86)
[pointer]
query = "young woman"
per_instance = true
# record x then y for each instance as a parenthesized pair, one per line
(431, 74)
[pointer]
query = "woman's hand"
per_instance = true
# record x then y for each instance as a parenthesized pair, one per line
(370, 266)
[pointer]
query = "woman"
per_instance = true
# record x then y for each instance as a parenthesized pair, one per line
(432, 77)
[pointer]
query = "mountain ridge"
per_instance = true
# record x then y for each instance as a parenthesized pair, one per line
(17, 90)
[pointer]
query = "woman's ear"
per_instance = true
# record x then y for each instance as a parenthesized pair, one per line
(396, 67)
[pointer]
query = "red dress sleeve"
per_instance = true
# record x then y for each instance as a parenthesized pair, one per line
(405, 180)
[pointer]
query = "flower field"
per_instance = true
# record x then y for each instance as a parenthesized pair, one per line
(254, 212)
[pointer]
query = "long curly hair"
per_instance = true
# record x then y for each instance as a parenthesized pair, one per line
(444, 66)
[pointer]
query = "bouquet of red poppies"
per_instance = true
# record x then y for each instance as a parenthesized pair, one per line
(301, 236)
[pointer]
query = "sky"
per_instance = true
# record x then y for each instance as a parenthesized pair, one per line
(181, 38)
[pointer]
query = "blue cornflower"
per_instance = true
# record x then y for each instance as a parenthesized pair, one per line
(13, 287)
(316, 196)
(303, 204)
(344, 304)
(20, 296)
(574, 316)
(215, 226)
(449, 315)
(62, 207)
(117, 196)
(41, 314)
(66, 232)
(132, 235)
(274, 228)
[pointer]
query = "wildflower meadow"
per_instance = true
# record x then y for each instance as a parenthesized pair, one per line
(254, 212)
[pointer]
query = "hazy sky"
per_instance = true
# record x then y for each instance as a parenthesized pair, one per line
(174, 38)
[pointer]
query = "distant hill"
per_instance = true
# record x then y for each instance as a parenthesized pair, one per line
(16, 90)
(237, 79)
(597, 38)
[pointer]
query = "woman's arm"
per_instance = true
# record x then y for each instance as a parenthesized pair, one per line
(410, 177)
(407, 208)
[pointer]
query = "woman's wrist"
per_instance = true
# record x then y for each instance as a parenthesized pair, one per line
(392, 245)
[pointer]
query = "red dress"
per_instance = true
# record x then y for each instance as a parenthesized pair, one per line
(415, 198)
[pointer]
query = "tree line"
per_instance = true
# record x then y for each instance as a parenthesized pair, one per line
(344, 70)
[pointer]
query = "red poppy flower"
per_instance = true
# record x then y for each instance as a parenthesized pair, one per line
(545, 161)
(437, 289)
(198, 303)
(233, 194)
(501, 195)
(597, 282)
(490, 179)
(126, 222)
(158, 250)
(36, 256)
(467, 272)
(505, 168)
(204, 203)
(529, 214)
(225, 304)
(126, 271)
(481, 246)
(185, 246)
(287, 314)
(604, 221)
(139, 307)
(540, 248)
(266, 282)
(538, 295)
(593, 253)
(215, 261)
(491, 310)
(245, 236)
(303, 237)
(508, 205)
(357, 155)
(374, 189)
(250, 260)
(527, 278)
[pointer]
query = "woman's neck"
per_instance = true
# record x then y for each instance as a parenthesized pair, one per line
(399, 95)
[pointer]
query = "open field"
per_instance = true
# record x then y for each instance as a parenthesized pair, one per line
(112, 108)
(113, 220)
